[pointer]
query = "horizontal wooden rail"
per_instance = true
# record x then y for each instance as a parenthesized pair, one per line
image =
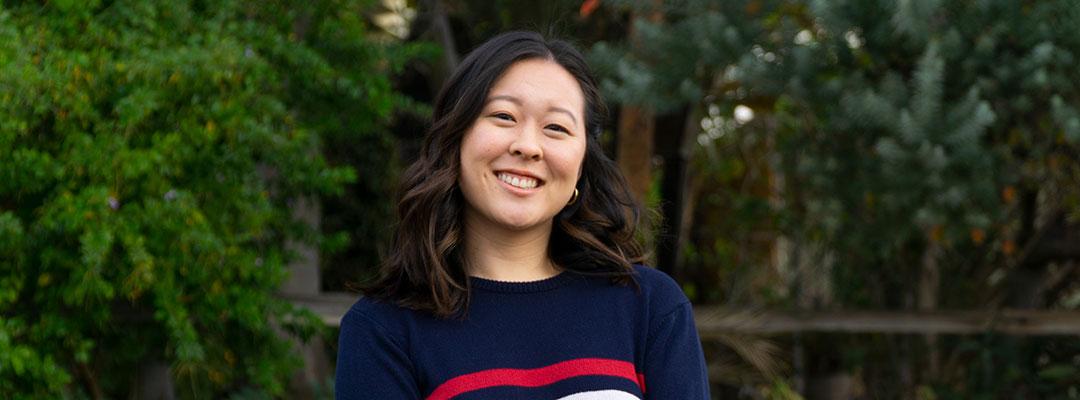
(715, 321)
(330, 307)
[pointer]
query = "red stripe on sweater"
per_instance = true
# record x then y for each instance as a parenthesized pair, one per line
(536, 377)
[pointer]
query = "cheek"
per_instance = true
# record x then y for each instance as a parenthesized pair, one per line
(479, 149)
(475, 149)
(483, 142)
(467, 162)
(569, 163)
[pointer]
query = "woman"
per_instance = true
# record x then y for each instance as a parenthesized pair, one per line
(511, 275)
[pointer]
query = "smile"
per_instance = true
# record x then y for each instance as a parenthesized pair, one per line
(518, 181)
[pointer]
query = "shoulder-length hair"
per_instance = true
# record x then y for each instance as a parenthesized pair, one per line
(595, 236)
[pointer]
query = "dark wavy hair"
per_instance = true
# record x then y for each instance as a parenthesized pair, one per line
(425, 269)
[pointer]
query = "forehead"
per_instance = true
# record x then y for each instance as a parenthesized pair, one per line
(541, 82)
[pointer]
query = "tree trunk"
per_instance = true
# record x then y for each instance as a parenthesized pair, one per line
(439, 31)
(636, 129)
(676, 151)
(929, 283)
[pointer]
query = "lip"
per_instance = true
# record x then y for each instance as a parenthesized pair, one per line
(540, 182)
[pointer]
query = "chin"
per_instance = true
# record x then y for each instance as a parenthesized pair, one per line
(519, 222)
(519, 226)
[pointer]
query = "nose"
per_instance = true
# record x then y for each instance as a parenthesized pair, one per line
(527, 143)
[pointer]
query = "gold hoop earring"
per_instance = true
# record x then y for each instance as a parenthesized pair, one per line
(573, 198)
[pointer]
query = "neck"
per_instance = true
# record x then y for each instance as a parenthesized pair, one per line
(507, 255)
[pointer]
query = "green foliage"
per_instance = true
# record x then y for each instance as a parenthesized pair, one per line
(700, 34)
(1001, 365)
(890, 138)
(149, 154)
(779, 390)
(340, 87)
(894, 167)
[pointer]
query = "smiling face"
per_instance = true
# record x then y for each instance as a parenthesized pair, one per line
(521, 158)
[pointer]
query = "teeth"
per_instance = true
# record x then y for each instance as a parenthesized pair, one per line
(518, 181)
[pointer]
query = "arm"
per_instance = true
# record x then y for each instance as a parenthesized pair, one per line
(371, 364)
(674, 361)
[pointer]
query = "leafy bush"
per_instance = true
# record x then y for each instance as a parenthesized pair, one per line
(149, 152)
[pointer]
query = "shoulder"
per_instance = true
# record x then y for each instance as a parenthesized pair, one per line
(370, 314)
(659, 289)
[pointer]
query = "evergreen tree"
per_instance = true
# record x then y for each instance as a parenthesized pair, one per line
(914, 155)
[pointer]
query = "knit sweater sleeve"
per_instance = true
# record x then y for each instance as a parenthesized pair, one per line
(674, 362)
(372, 363)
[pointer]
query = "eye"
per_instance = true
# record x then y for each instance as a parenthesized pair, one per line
(503, 116)
(558, 128)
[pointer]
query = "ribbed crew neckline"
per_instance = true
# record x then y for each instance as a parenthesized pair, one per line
(521, 287)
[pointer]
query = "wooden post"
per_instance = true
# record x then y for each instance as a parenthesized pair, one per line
(304, 281)
(929, 283)
(153, 382)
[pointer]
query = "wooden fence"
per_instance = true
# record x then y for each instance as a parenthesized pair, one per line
(714, 321)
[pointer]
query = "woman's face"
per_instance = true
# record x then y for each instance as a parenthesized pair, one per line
(521, 158)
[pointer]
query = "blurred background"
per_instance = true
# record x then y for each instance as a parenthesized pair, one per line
(863, 199)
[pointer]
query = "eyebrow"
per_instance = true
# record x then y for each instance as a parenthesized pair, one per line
(517, 101)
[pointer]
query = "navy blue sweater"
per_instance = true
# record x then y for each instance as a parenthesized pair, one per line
(565, 337)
